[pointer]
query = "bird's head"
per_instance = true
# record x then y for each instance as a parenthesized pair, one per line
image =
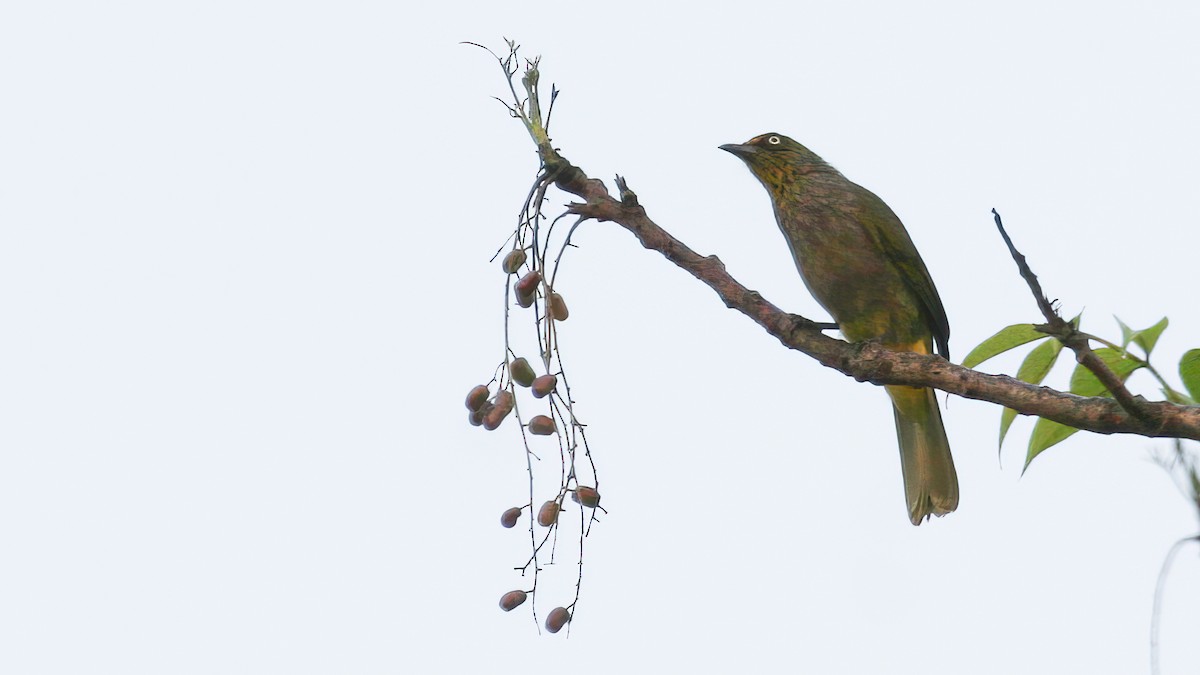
(775, 159)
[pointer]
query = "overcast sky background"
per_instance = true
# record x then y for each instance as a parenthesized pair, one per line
(244, 286)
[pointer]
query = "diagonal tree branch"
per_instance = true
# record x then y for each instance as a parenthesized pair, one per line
(870, 362)
(865, 362)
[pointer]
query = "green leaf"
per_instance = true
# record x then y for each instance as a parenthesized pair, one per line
(1145, 338)
(1033, 370)
(1012, 336)
(1148, 337)
(1045, 434)
(1006, 419)
(1189, 370)
(1177, 396)
(1085, 383)
(1038, 363)
(1126, 332)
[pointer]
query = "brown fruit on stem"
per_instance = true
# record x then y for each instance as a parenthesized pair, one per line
(541, 425)
(500, 407)
(504, 400)
(587, 496)
(510, 516)
(522, 373)
(528, 284)
(513, 261)
(512, 600)
(477, 397)
(543, 385)
(526, 301)
(558, 308)
(558, 617)
(475, 417)
(548, 514)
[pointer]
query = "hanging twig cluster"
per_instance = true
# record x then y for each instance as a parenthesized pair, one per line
(533, 297)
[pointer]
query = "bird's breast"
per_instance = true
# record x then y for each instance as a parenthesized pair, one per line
(849, 276)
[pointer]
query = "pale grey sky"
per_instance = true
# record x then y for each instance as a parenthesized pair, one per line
(244, 284)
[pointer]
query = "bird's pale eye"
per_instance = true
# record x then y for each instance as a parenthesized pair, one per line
(774, 140)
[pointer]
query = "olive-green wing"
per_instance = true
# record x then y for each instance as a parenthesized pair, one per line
(888, 233)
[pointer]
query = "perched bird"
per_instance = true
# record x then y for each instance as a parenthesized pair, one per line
(858, 261)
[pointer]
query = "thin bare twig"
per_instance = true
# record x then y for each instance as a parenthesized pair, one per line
(1072, 338)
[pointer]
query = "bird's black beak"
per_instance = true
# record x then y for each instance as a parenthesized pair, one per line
(739, 150)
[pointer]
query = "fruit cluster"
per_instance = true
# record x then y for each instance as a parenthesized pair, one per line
(489, 408)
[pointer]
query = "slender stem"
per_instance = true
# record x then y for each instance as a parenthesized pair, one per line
(1156, 614)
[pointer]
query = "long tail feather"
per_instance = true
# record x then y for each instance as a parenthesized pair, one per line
(930, 482)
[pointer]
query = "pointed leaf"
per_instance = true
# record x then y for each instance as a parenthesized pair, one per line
(1177, 397)
(1189, 371)
(1126, 332)
(1038, 363)
(1085, 383)
(1033, 370)
(1148, 337)
(1045, 434)
(1006, 419)
(1012, 336)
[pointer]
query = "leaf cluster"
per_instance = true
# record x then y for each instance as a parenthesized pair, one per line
(1041, 359)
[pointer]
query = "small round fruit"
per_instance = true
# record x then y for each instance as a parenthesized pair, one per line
(477, 397)
(548, 514)
(522, 373)
(513, 261)
(512, 600)
(510, 516)
(528, 284)
(543, 385)
(500, 407)
(526, 301)
(587, 496)
(558, 617)
(475, 417)
(541, 425)
(558, 308)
